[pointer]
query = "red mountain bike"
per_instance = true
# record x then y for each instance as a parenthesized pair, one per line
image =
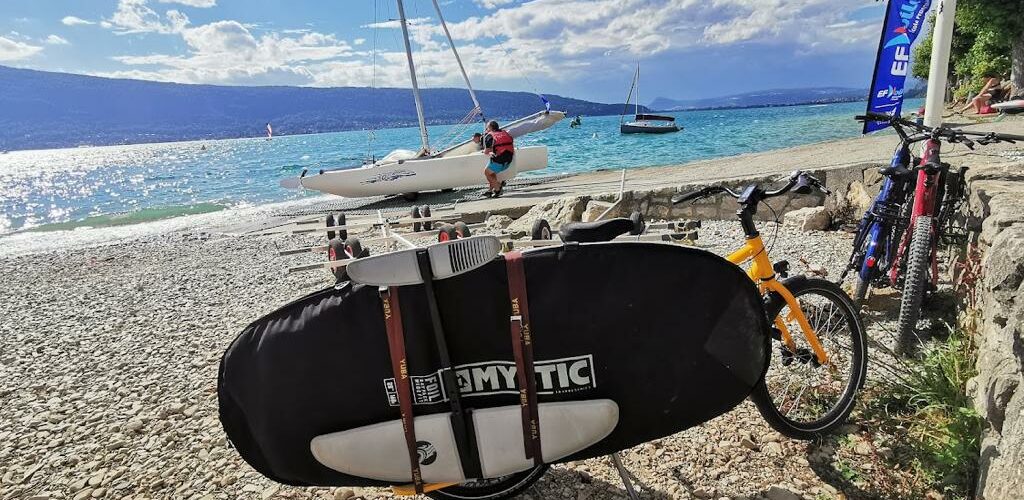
(938, 195)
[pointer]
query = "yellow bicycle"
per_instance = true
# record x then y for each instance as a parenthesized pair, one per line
(811, 386)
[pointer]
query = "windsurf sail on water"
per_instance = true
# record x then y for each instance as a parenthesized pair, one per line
(270, 131)
(904, 20)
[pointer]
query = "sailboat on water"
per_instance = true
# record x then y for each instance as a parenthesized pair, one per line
(270, 132)
(409, 172)
(644, 123)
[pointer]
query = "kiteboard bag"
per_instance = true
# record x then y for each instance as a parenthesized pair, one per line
(555, 354)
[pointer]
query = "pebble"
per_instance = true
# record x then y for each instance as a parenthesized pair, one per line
(271, 491)
(862, 448)
(704, 492)
(780, 493)
(749, 444)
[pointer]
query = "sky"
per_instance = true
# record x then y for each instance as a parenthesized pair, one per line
(578, 48)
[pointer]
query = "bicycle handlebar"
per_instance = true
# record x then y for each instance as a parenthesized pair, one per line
(799, 180)
(702, 193)
(950, 134)
(892, 120)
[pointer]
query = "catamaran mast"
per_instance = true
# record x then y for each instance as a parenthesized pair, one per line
(465, 76)
(412, 75)
(638, 89)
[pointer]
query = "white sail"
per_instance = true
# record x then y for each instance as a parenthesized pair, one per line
(404, 171)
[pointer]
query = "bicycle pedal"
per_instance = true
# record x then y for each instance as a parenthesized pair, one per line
(786, 355)
(806, 355)
(781, 268)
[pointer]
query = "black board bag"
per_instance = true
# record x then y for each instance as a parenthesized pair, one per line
(673, 335)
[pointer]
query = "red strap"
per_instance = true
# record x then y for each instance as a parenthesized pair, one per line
(522, 348)
(396, 347)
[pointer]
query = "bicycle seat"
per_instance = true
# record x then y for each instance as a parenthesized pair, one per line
(898, 172)
(590, 232)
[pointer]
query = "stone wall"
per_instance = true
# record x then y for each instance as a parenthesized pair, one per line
(997, 200)
(853, 189)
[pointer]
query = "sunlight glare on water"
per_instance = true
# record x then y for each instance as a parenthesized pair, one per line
(63, 189)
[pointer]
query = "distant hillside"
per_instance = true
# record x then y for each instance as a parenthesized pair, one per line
(50, 110)
(776, 97)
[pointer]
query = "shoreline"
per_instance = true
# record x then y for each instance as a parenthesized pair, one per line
(824, 155)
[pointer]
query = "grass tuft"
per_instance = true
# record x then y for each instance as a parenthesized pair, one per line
(943, 429)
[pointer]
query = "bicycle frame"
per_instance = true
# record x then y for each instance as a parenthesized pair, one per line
(762, 272)
(926, 195)
(879, 223)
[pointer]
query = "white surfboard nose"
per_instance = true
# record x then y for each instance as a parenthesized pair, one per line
(379, 452)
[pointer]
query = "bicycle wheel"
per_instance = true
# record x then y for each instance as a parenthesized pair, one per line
(492, 489)
(798, 397)
(918, 260)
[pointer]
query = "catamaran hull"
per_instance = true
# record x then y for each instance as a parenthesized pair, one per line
(627, 128)
(428, 174)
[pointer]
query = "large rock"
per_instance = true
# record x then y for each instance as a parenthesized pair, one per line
(497, 223)
(808, 219)
(858, 199)
(595, 209)
(557, 212)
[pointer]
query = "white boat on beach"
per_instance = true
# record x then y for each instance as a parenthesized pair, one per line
(406, 172)
(409, 172)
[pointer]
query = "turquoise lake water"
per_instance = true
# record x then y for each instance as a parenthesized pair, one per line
(103, 186)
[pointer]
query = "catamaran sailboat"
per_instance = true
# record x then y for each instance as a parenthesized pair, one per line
(644, 123)
(409, 172)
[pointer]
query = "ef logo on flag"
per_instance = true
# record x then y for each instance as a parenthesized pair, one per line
(904, 20)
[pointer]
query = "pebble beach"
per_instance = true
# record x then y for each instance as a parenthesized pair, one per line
(109, 355)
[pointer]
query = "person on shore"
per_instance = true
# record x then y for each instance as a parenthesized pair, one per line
(992, 91)
(501, 148)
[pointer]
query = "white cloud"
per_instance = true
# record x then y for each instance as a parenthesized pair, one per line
(228, 52)
(75, 21)
(56, 40)
(134, 16)
(202, 4)
(396, 24)
(568, 35)
(557, 40)
(490, 4)
(11, 50)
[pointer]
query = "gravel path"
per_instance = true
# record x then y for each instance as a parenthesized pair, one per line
(108, 362)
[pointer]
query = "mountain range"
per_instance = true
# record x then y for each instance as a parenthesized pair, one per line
(52, 110)
(763, 98)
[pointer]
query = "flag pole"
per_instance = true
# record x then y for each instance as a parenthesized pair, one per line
(942, 40)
